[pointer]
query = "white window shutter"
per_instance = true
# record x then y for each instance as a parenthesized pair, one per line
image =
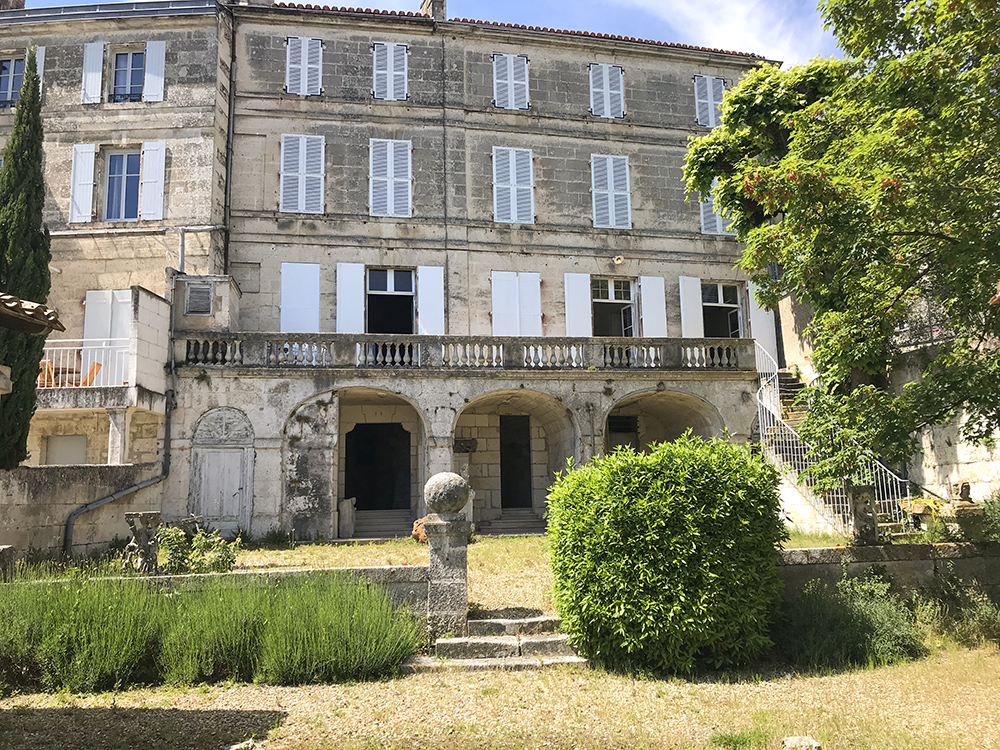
(692, 316)
(529, 303)
(350, 298)
(653, 306)
(289, 194)
(152, 83)
(378, 177)
(616, 94)
(600, 189)
(312, 64)
(579, 320)
(598, 100)
(702, 101)
(97, 315)
(762, 325)
(504, 301)
(430, 300)
(524, 189)
(93, 67)
(81, 199)
(380, 70)
(501, 81)
(503, 203)
(718, 89)
(709, 221)
(293, 64)
(621, 199)
(40, 65)
(399, 72)
(154, 159)
(519, 81)
(299, 298)
(401, 183)
(312, 190)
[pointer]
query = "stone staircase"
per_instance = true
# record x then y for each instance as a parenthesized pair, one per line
(790, 387)
(382, 524)
(528, 643)
(513, 521)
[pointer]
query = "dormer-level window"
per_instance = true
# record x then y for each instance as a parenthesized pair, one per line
(607, 87)
(304, 66)
(708, 91)
(510, 81)
(389, 71)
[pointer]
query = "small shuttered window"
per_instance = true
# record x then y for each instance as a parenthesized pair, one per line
(510, 81)
(708, 91)
(302, 174)
(304, 66)
(610, 185)
(606, 90)
(389, 66)
(711, 222)
(513, 186)
(389, 178)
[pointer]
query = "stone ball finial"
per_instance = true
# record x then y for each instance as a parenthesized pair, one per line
(446, 492)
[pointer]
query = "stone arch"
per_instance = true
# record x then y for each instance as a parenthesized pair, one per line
(222, 467)
(481, 447)
(660, 415)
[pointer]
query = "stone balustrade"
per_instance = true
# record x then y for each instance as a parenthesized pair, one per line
(414, 352)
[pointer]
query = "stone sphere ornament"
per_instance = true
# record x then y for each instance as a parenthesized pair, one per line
(446, 492)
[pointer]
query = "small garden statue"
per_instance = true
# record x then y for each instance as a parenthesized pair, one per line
(141, 552)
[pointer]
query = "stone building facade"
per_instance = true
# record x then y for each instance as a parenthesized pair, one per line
(355, 248)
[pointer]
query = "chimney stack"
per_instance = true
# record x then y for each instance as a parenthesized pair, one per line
(433, 8)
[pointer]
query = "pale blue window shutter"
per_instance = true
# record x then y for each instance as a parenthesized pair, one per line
(708, 93)
(154, 155)
(313, 174)
(81, 201)
(513, 186)
(152, 84)
(399, 72)
(519, 81)
(40, 65)
(524, 199)
(350, 298)
(718, 90)
(313, 66)
(93, 67)
(299, 305)
(503, 296)
(503, 203)
(598, 100)
(621, 200)
(380, 70)
(501, 81)
(599, 176)
(430, 300)
(289, 194)
(653, 306)
(293, 64)
(616, 95)
(529, 303)
(401, 187)
(579, 319)
(379, 177)
(692, 316)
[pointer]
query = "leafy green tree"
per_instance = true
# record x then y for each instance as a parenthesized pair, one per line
(24, 261)
(873, 185)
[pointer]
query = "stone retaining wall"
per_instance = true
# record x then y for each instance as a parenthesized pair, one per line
(911, 566)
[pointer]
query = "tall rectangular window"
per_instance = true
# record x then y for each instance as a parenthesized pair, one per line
(513, 186)
(389, 71)
(389, 178)
(11, 74)
(613, 307)
(302, 174)
(129, 70)
(510, 81)
(390, 301)
(610, 186)
(122, 186)
(607, 87)
(711, 221)
(708, 91)
(304, 66)
(721, 311)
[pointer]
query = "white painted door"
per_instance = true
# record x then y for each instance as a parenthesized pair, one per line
(223, 495)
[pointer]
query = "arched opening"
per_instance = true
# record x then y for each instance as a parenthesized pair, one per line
(221, 484)
(509, 444)
(658, 416)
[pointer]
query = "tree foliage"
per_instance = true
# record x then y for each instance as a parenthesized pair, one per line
(24, 261)
(873, 184)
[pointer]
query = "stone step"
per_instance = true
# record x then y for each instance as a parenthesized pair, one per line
(543, 645)
(528, 626)
(425, 664)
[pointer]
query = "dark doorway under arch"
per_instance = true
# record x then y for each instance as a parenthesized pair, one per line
(377, 466)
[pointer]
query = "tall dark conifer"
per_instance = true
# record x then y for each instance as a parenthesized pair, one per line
(24, 261)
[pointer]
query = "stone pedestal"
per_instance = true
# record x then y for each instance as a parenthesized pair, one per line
(448, 538)
(862, 500)
(7, 553)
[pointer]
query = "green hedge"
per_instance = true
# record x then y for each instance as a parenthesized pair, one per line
(666, 560)
(91, 635)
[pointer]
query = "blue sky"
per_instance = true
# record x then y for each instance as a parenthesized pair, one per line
(787, 30)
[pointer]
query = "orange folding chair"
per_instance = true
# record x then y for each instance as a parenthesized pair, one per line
(46, 376)
(91, 374)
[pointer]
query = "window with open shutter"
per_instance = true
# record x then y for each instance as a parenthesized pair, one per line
(607, 90)
(304, 66)
(93, 67)
(711, 221)
(389, 178)
(152, 85)
(708, 91)
(389, 71)
(510, 81)
(154, 158)
(513, 186)
(81, 201)
(301, 188)
(610, 187)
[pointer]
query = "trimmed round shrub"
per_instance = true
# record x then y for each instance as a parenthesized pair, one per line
(665, 561)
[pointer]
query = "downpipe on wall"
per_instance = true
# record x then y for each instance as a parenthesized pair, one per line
(170, 403)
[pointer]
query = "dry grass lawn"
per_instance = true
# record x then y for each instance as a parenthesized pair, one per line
(947, 702)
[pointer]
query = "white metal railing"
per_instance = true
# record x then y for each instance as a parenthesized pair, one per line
(784, 447)
(84, 363)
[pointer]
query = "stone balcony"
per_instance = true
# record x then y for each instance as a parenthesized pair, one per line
(382, 352)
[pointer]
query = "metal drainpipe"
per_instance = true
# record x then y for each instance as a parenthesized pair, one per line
(164, 472)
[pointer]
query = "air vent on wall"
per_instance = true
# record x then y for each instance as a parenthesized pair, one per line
(198, 299)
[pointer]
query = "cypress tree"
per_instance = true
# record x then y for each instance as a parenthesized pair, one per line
(24, 261)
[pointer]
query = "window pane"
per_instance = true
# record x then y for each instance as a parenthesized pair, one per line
(137, 67)
(378, 280)
(116, 166)
(403, 281)
(623, 290)
(599, 288)
(730, 296)
(710, 293)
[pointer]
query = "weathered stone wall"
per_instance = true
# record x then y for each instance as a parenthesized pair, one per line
(36, 501)
(912, 567)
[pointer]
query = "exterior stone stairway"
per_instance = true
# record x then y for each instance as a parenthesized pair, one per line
(529, 643)
(790, 387)
(382, 524)
(513, 521)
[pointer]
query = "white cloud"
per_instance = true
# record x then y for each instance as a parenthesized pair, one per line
(786, 30)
